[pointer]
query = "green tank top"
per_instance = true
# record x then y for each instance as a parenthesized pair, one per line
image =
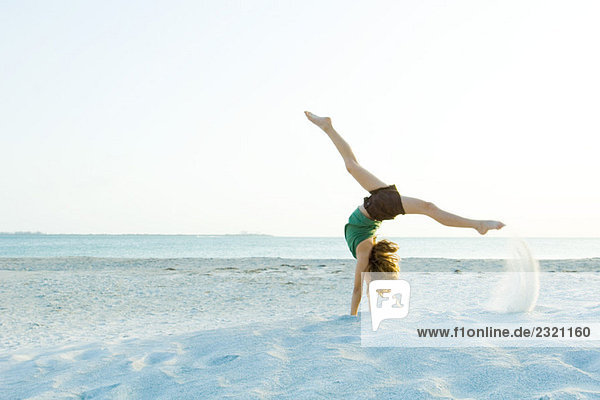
(358, 229)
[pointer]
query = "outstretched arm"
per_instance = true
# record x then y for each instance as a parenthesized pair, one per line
(362, 262)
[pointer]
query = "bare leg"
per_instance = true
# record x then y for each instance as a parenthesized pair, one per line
(417, 206)
(365, 178)
(411, 205)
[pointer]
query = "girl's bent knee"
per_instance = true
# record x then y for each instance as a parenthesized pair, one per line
(429, 207)
(351, 166)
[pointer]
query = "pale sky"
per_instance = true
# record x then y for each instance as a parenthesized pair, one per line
(187, 117)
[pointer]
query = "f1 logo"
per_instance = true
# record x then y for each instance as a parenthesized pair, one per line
(388, 299)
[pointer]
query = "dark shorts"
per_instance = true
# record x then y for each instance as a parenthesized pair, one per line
(384, 203)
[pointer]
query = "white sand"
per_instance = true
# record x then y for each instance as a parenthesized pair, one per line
(307, 358)
(254, 328)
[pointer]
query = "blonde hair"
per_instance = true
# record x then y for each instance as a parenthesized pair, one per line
(383, 257)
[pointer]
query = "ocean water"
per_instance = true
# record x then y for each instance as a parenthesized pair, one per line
(242, 246)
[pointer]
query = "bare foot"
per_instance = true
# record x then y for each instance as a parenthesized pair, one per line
(322, 122)
(484, 226)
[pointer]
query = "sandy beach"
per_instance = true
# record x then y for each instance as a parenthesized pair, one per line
(252, 328)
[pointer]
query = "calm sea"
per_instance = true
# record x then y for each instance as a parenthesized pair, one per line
(241, 246)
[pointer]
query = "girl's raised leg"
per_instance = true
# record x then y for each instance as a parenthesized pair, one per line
(411, 205)
(418, 206)
(365, 178)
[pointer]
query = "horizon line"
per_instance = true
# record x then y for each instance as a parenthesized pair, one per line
(270, 235)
